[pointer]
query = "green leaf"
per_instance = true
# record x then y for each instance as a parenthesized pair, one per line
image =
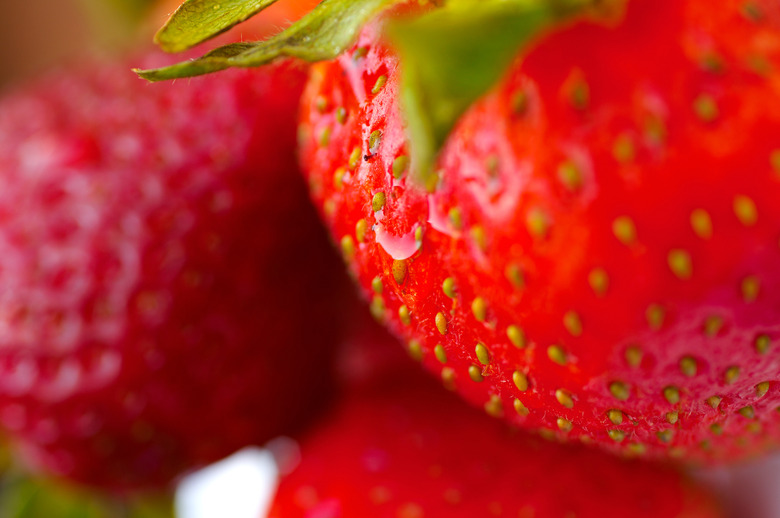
(321, 34)
(196, 21)
(453, 55)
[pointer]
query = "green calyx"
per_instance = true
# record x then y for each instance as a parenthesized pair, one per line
(450, 56)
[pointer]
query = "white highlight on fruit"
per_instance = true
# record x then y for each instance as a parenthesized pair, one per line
(240, 486)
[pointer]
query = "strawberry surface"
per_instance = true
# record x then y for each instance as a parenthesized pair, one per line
(597, 255)
(167, 294)
(402, 447)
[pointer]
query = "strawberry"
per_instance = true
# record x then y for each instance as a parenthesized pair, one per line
(597, 254)
(167, 294)
(402, 447)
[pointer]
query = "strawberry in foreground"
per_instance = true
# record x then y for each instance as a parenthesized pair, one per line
(167, 294)
(403, 447)
(596, 256)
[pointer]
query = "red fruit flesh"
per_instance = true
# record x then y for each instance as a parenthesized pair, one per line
(405, 448)
(167, 294)
(599, 257)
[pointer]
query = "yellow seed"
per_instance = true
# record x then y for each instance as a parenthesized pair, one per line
(516, 335)
(762, 388)
(750, 287)
(714, 401)
(514, 275)
(378, 308)
(341, 115)
(448, 378)
(572, 323)
(617, 435)
(615, 416)
(557, 354)
(672, 395)
(493, 407)
(747, 412)
(706, 108)
(321, 103)
(479, 309)
(570, 176)
(636, 448)
(564, 398)
(520, 407)
(665, 435)
(619, 390)
(634, 356)
(448, 287)
(680, 263)
(399, 271)
(456, 218)
(624, 229)
(324, 139)
(475, 373)
(354, 158)
(329, 207)
(348, 247)
(624, 149)
(418, 235)
(762, 344)
(745, 210)
(672, 417)
(378, 201)
(564, 424)
(374, 139)
(520, 380)
(478, 235)
(712, 326)
(754, 427)
(483, 355)
(716, 428)
(599, 281)
(400, 165)
(440, 354)
(404, 316)
(537, 222)
(676, 452)
(415, 350)
(701, 223)
(359, 53)
(519, 103)
(655, 315)
(360, 230)
(731, 375)
(441, 322)
(546, 434)
(380, 83)
(338, 178)
(688, 366)
(774, 161)
(376, 285)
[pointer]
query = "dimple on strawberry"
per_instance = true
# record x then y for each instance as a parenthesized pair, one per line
(594, 251)
(167, 293)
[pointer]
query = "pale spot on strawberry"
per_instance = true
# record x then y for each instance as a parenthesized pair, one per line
(619, 390)
(624, 230)
(520, 408)
(747, 412)
(448, 287)
(615, 416)
(520, 380)
(731, 375)
(672, 417)
(483, 355)
(633, 356)
(672, 395)
(688, 366)
(762, 343)
(399, 270)
(493, 407)
(516, 335)
(537, 222)
(745, 210)
(705, 108)
(448, 378)
(379, 495)
(557, 354)
(617, 435)
(701, 223)
(573, 323)
(441, 322)
(598, 281)
(479, 309)
(564, 424)
(475, 373)
(750, 288)
(440, 353)
(564, 398)
(680, 263)
(404, 316)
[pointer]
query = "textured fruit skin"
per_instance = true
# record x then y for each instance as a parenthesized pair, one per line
(400, 446)
(167, 293)
(599, 258)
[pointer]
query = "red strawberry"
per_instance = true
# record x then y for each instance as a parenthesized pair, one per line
(401, 447)
(167, 294)
(598, 258)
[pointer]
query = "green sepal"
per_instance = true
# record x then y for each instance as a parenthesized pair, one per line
(322, 34)
(196, 21)
(453, 55)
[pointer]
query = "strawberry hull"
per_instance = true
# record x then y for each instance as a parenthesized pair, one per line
(598, 257)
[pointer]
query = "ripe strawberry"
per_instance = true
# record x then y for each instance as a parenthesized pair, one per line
(598, 256)
(402, 447)
(167, 294)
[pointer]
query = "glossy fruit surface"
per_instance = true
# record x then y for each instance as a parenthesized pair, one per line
(599, 255)
(167, 294)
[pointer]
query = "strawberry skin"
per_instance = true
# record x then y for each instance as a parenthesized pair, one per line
(167, 294)
(598, 258)
(403, 447)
